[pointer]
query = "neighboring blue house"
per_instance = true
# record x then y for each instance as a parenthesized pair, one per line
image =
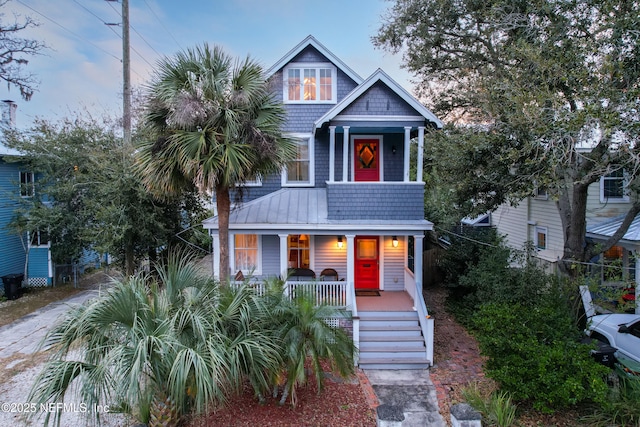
(347, 210)
(19, 254)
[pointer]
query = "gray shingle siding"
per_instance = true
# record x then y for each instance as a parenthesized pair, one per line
(379, 100)
(270, 184)
(360, 201)
(393, 163)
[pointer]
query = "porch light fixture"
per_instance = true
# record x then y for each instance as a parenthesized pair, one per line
(340, 244)
(394, 241)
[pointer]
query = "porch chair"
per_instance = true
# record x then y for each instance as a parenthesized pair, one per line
(301, 274)
(329, 274)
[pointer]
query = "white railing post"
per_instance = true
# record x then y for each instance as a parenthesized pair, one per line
(426, 322)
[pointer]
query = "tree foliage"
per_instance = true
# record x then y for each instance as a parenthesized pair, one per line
(215, 124)
(14, 51)
(177, 343)
(542, 92)
(89, 196)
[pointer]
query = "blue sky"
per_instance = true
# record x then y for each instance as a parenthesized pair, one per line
(83, 69)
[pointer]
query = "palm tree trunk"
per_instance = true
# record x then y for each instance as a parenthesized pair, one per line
(223, 203)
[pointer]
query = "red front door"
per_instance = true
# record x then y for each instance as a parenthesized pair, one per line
(367, 159)
(367, 273)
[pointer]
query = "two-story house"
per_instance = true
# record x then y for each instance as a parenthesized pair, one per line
(536, 219)
(20, 254)
(347, 212)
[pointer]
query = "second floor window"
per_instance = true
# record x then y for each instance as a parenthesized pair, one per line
(310, 83)
(298, 171)
(613, 187)
(26, 184)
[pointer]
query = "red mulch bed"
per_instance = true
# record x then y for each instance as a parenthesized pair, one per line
(341, 403)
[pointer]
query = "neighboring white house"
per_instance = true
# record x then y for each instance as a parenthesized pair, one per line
(536, 219)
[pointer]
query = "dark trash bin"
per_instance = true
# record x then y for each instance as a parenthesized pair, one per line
(12, 285)
(605, 355)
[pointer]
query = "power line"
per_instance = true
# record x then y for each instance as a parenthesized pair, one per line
(162, 24)
(139, 35)
(69, 31)
(110, 26)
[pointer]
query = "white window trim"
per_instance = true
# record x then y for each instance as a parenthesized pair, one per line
(39, 245)
(541, 230)
(316, 66)
(539, 196)
(311, 248)
(623, 199)
(232, 257)
(33, 184)
(352, 156)
(312, 175)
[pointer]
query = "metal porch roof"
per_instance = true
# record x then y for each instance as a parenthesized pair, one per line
(303, 209)
(607, 228)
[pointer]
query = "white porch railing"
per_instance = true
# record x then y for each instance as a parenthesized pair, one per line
(333, 293)
(426, 322)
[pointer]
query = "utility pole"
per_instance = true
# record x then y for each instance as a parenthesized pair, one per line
(126, 74)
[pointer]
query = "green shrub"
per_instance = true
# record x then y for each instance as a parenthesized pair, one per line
(497, 408)
(534, 353)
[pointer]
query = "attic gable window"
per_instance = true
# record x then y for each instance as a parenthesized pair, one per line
(310, 83)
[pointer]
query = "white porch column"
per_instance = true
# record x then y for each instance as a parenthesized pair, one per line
(345, 154)
(407, 138)
(332, 153)
(417, 261)
(284, 259)
(351, 269)
(420, 153)
(216, 255)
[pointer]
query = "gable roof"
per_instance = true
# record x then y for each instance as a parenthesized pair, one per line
(311, 41)
(378, 76)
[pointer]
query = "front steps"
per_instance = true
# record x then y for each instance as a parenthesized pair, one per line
(391, 340)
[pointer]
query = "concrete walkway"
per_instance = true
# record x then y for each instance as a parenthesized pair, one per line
(25, 334)
(409, 392)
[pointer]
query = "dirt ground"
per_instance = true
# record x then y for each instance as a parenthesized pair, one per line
(33, 298)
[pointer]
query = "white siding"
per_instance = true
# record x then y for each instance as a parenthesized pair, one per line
(544, 213)
(270, 255)
(327, 255)
(393, 264)
(519, 223)
(511, 221)
(597, 211)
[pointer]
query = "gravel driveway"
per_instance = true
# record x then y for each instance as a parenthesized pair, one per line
(21, 362)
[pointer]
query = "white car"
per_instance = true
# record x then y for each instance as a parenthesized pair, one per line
(620, 331)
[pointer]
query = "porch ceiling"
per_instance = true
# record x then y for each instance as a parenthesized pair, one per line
(305, 209)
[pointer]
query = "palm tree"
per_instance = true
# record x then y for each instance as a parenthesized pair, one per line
(306, 336)
(218, 125)
(159, 349)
